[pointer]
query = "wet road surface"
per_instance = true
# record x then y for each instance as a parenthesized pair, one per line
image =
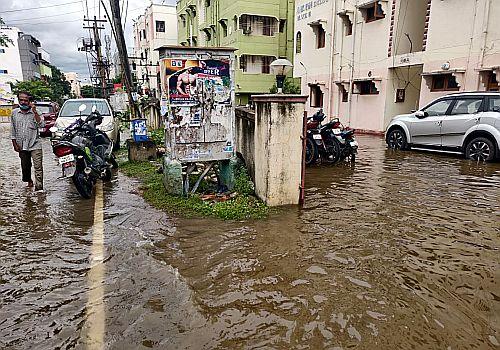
(399, 252)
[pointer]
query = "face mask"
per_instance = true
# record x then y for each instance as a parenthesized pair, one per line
(24, 107)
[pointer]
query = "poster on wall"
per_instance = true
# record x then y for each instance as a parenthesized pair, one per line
(187, 81)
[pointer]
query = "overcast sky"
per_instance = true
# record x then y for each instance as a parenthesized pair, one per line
(59, 28)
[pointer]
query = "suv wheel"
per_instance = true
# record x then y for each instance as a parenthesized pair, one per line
(480, 149)
(396, 139)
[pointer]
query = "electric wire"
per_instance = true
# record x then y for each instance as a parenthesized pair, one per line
(33, 18)
(40, 7)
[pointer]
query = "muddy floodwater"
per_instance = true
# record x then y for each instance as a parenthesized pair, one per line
(400, 251)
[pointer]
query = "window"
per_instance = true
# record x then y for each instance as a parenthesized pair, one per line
(267, 23)
(320, 36)
(344, 92)
(245, 25)
(144, 34)
(282, 25)
(444, 82)
(438, 108)
(374, 12)
(467, 106)
(494, 104)
(492, 82)
(298, 42)
(348, 27)
(44, 109)
(316, 96)
(366, 87)
(266, 64)
(3, 71)
(235, 23)
(347, 24)
(223, 24)
(70, 108)
(207, 3)
(243, 63)
(160, 26)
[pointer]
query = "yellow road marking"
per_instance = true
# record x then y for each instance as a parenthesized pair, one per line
(95, 314)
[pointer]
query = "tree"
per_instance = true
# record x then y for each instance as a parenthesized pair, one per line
(4, 39)
(39, 89)
(59, 85)
(289, 87)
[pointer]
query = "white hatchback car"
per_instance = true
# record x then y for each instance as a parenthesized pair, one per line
(69, 113)
(467, 123)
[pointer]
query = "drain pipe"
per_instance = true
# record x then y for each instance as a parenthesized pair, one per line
(486, 19)
(339, 74)
(332, 53)
(351, 74)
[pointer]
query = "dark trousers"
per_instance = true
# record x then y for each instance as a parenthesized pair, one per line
(26, 162)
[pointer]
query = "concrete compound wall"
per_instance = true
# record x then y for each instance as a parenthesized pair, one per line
(245, 134)
(278, 148)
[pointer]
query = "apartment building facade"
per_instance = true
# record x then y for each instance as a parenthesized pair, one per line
(261, 31)
(156, 27)
(369, 60)
(10, 61)
(73, 79)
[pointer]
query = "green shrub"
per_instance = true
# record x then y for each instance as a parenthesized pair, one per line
(243, 206)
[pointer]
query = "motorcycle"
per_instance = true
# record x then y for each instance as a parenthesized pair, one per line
(330, 142)
(84, 152)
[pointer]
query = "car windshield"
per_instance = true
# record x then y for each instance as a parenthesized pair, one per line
(42, 109)
(70, 108)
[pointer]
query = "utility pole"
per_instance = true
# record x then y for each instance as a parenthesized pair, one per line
(101, 65)
(122, 51)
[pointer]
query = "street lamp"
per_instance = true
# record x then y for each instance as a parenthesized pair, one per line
(281, 67)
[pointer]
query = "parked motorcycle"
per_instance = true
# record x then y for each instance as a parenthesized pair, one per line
(84, 152)
(330, 142)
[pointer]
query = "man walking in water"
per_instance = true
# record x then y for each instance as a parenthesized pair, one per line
(25, 122)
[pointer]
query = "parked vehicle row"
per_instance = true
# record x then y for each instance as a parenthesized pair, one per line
(85, 153)
(465, 123)
(329, 143)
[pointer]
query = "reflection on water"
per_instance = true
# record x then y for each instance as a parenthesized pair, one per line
(398, 252)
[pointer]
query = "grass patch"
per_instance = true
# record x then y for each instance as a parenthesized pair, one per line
(243, 206)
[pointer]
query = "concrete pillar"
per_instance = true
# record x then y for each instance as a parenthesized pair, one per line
(278, 147)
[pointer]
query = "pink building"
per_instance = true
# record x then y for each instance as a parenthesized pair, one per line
(369, 60)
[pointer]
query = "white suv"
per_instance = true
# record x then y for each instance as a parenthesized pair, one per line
(468, 123)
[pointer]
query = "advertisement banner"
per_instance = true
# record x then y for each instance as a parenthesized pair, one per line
(187, 81)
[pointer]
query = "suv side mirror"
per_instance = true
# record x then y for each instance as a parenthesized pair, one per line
(421, 114)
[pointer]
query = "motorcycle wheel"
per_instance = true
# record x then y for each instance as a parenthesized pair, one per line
(108, 175)
(353, 157)
(84, 184)
(113, 162)
(333, 151)
(311, 151)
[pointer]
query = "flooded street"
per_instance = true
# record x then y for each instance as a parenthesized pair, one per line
(401, 251)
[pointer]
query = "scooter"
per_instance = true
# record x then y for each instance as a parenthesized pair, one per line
(84, 152)
(330, 142)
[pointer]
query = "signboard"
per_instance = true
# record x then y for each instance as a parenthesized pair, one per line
(5, 110)
(187, 78)
(198, 103)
